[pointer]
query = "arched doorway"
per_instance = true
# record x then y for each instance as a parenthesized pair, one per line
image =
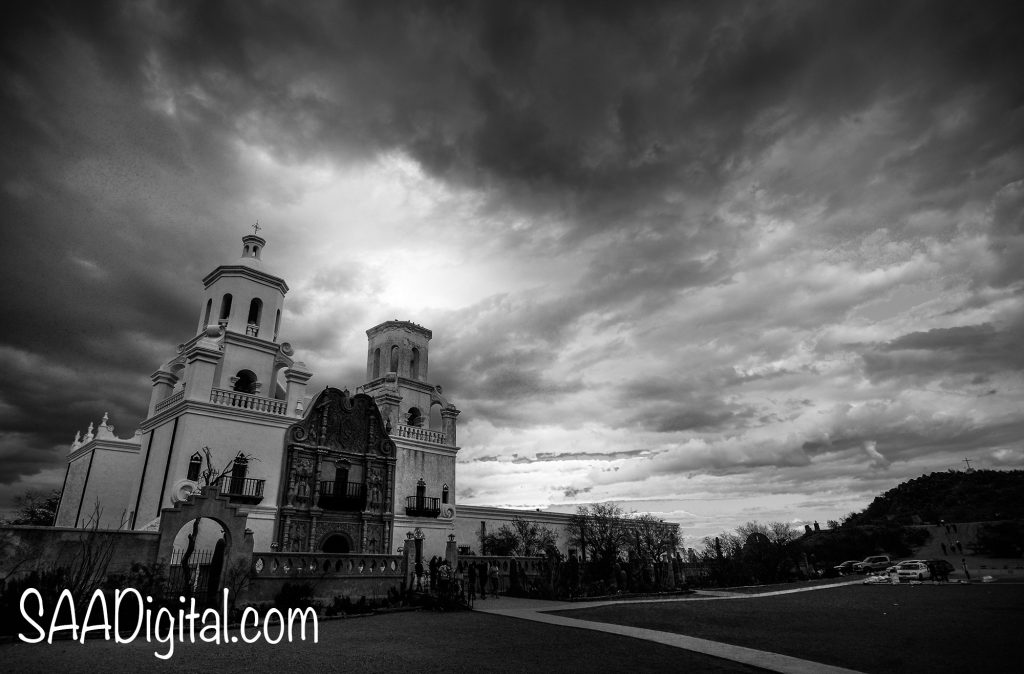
(336, 544)
(197, 558)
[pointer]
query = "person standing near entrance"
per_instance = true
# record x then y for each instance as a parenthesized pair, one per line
(492, 573)
(472, 581)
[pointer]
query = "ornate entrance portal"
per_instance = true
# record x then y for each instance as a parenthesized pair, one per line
(341, 478)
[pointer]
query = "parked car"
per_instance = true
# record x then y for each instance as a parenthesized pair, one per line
(874, 563)
(847, 567)
(941, 569)
(914, 569)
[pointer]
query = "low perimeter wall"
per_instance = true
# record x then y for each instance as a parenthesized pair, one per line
(27, 548)
(330, 575)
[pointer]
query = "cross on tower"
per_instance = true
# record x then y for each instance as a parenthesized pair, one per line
(968, 462)
(256, 228)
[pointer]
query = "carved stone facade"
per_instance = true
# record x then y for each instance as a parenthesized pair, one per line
(340, 487)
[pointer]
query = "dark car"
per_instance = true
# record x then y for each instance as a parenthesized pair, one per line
(846, 567)
(940, 568)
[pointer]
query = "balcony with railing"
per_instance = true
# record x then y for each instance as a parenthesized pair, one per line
(247, 401)
(342, 495)
(241, 489)
(417, 433)
(422, 506)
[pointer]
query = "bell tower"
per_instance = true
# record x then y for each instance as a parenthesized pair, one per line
(422, 424)
(397, 373)
(232, 389)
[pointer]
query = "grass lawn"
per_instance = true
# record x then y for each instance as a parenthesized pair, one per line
(905, 628)
(401, 642)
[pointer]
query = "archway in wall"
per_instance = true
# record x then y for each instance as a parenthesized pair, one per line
(197, 558)
(178, 370)
(435, 417)
(415, 417)
(337, 544)
(245, 382)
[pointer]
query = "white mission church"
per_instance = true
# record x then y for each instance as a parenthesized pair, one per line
(313, 471)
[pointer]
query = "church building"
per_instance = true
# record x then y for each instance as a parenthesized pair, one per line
(331, 471)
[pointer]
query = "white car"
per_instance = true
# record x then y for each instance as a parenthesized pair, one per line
(913, 569)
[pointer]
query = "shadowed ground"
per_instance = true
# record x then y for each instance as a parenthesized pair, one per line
(401, 642)
(905, 628)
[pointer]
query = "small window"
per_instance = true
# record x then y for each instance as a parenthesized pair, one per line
(195, 465)
(225, 307)
(239, 469)
(277, 324)
(240, 466)
(444, 494)
(253, 321)
(414, 364)
(209, 310)
(376, 363)
(394, 359)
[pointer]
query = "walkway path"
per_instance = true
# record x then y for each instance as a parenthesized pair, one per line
(538, 611)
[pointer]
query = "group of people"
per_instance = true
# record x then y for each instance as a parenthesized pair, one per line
(462, 581)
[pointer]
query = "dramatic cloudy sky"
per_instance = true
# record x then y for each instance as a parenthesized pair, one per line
(719, 261)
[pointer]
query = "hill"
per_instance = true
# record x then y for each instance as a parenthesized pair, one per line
(953, 496)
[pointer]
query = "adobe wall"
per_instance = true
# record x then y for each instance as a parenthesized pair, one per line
(36, 547)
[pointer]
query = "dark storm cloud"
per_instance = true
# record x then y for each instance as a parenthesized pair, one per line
(557, 105)
(978, 351)
(623, 123)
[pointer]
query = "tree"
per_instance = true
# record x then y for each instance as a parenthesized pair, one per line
(523, 538)
(36, 508)
(533, 538)
(598, 530)
(502, 542)
(651, 538)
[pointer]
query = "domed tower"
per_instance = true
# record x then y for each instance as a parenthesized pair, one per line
(242, 297)
(232, 388)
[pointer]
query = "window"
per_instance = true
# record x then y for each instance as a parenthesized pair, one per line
(414, 364)
(225, 307)
(253, 321)
(394, 359)
(444, 494)
(195, 465)
(239, 468)
(376, 363)
(209, 310)
(277, 324)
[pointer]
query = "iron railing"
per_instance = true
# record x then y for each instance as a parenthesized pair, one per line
(342, 495)
(246, 489)
(422, 506)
